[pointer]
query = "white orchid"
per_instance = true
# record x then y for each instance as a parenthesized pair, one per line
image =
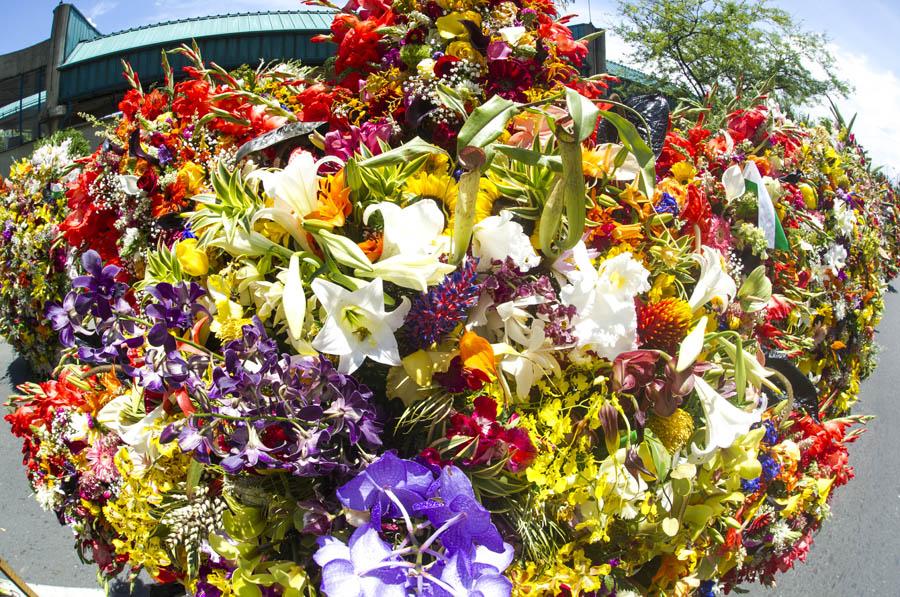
(714, 282)
(844, 216)
(725, 422)
(497, 237)
(535, 361)
(606, 319)
(836, 258)
(357, 326)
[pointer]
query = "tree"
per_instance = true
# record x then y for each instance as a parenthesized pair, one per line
(725, 46)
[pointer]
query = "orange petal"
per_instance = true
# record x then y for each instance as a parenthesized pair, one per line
(476, 353)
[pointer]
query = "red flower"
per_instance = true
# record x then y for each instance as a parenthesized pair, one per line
(696, 210)
(746, 124)
(316, 101)
(191, 97)
(509, 79)
(493, 441)
(155, 103)
(131, 103)
(560, 36)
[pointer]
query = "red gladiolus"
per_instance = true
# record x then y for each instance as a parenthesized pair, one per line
(696, 210)
(191, 97)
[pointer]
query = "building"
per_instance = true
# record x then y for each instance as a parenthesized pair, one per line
(79, 69)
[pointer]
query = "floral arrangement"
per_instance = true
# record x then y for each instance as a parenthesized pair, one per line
(459, 342)
(33, 261)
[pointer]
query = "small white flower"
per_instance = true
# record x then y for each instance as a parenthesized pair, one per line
(357, 326)
(499, 237)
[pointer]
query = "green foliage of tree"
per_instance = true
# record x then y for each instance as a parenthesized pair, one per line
(726, 46)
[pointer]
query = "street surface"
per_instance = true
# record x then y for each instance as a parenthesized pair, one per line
(856, 553)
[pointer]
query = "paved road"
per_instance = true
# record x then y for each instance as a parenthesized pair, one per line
(856, 553)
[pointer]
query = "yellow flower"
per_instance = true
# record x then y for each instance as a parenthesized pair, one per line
(191, 257)
(450, 26)
(192, 176)
(683, 172)
(438, 186)
(465, 51)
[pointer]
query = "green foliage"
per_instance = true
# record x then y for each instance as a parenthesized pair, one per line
(721, 47)
(79, 145)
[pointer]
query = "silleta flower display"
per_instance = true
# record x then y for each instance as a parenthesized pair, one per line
(468, 334)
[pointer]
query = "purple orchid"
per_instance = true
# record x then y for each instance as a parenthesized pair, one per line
(452, 504)
(367, 567)
(384, 484)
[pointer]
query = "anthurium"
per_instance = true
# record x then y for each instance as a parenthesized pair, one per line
(725, 422)
(357, 326)
(714, 283)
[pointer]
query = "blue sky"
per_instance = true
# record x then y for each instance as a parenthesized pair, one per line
(864, 34)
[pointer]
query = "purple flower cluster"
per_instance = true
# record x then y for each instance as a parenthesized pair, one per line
(94, 315)
(455, 550)
(509, 283)
(267, 410)
(438, 311)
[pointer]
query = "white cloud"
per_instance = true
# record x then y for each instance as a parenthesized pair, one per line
(99, 9)
(876, 102)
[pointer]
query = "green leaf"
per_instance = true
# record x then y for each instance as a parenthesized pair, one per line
(531, 157)
(584, 114)
(740, 370)
(195, 470)
(486, 123)
(569, 193)
(632, 140)
(406, 152)
(450, 98)
(662, 460)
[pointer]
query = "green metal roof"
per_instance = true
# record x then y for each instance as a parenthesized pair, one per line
(28, 103)
(174, 32)
(630, 74)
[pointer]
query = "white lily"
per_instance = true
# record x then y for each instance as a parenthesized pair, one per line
(417, 272)
(357, 326)
(293, 303)
(499, 237)
(412, 230)
(714, 282)
(294, 192)
(724, 421)
(413, 245)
